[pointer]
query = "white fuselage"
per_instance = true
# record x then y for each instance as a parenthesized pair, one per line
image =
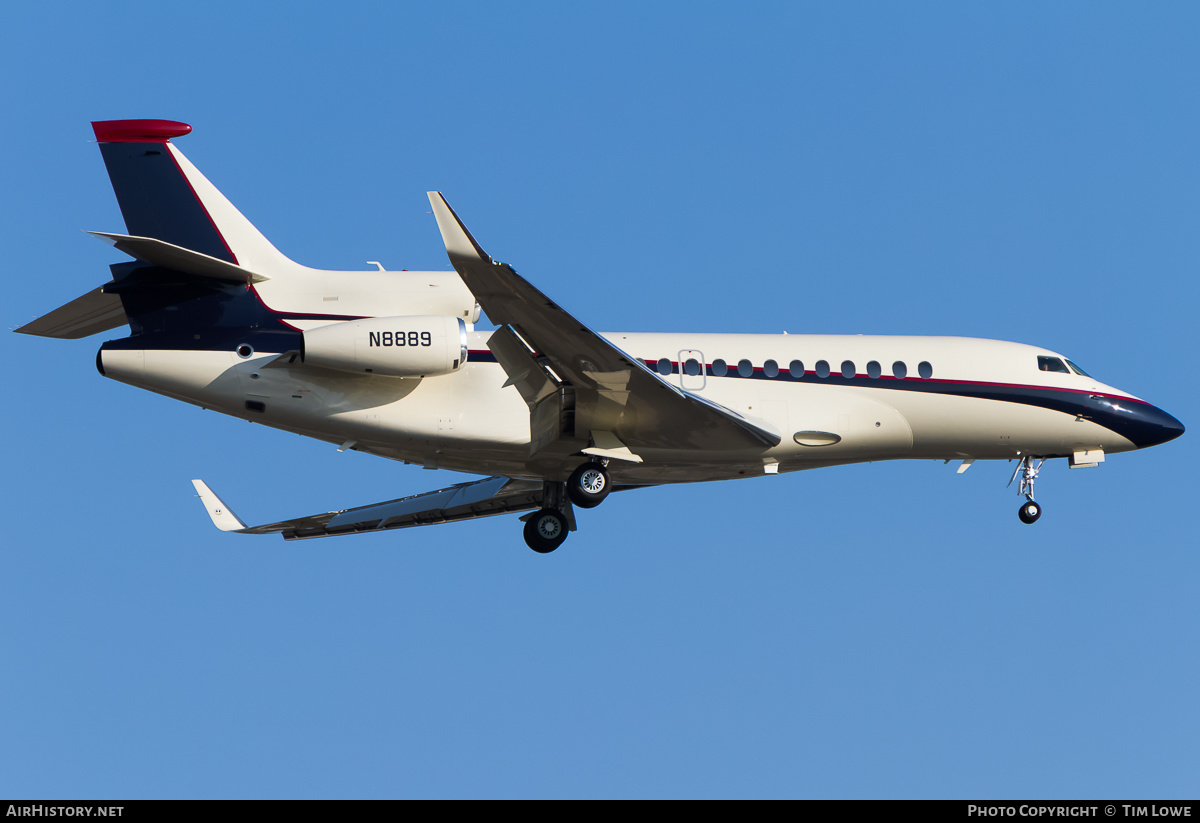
(472, 421)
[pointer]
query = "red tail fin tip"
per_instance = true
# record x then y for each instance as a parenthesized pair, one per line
(138, 131)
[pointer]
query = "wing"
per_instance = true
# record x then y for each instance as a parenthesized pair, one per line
(465, 501)
(621, 404)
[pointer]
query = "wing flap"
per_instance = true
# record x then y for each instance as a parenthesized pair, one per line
(522, 368)
(607, 445)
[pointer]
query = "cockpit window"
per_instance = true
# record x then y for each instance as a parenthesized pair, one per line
(1077, 370)
(1051, 364)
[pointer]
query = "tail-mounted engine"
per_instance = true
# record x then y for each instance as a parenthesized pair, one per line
(418, 346)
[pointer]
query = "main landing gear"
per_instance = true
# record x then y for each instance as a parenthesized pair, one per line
(589, 485)
(548, 527)
(546, 530)
(1029, 511)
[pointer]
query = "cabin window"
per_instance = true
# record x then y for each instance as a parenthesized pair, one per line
(874, 369)
(664, 366)
(849, 369)
(692, 366)
(745, 368)
(1052, 364)
(796, 369)
(720, 368)
(771, 368)
(899, 370)
(1077, 370)
(925, 369)
(822, 369)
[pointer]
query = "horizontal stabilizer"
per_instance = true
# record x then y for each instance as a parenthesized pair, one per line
(465, 501)
(92, 313)
(169, 256)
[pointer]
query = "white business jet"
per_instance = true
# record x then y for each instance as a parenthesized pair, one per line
(556, 414)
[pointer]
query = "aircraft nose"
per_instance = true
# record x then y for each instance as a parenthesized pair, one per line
(1140, 423)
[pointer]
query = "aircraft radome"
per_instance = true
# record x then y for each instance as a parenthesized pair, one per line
(556, 414)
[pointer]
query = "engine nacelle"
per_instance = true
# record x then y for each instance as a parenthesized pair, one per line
(419, 346)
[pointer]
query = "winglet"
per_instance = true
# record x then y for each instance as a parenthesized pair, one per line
(222, 517)
(459, 242)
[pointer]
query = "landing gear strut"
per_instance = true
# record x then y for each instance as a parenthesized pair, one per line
(1029, 511)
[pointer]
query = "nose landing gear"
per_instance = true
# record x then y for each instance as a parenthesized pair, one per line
(1029, 511)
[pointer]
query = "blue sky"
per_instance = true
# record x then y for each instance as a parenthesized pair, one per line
(1020, 171)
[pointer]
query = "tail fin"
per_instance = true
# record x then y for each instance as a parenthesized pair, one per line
(164, 197)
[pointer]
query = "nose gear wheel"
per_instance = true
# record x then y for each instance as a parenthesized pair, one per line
(1029, 511)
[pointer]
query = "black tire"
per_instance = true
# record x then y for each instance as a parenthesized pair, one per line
(1029, 512)
(589, 485)
(546, 530)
